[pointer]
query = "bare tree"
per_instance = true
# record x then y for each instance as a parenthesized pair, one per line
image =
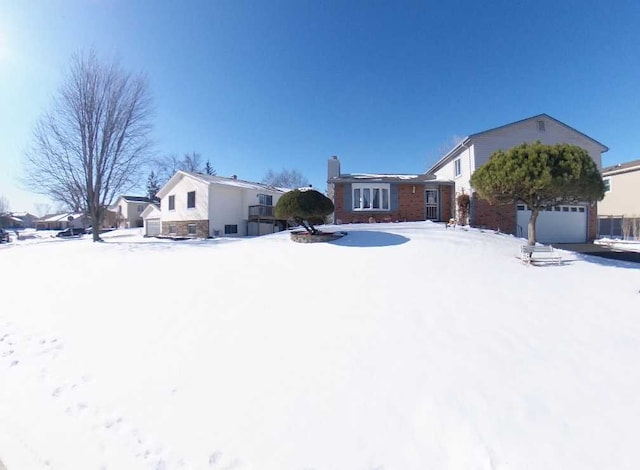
(90, 146)
(286, 179)
(4, 205)
(165, 167)
(42, 208)
(192, 162)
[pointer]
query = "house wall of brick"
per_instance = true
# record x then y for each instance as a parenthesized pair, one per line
(446, 202)
(202, 228)
(496, 217)
(410, 206)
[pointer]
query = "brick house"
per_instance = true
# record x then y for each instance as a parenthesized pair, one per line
(560, 224)
(361, 197)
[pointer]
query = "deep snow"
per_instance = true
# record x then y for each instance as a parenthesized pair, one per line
(400, 346)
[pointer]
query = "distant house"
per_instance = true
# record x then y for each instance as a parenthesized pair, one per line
(61, 221)
(197, 205)
(128, 210)
(26, 219)
(563, 223)
(622, 197)
(152, 220)
(366, 197)
(8, 220)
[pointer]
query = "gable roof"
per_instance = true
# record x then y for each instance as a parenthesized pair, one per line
(621, 168)
(464, 143)
(151, 208)
(216, 180)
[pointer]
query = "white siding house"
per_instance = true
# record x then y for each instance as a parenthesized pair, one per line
(197, 205)
(568, 224)
(129, 209)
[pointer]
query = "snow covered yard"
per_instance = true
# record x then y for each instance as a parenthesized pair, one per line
(400, 346)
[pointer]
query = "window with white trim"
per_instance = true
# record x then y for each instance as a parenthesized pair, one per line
(457, 167)
(172, 203)
(607, 184)
(191, 199)
(370, 197)
(191, 229)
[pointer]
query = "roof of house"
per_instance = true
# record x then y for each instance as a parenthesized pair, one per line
(136, 199)
(467, 140)
(153, 207)
(61, 217)
(382, 178)
(219, 180)
(23, 214)
(622, 167)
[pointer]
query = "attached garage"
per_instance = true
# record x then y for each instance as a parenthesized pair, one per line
(152, 227)
(559, 224)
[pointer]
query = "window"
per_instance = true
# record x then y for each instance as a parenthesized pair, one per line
(540, 126)
(574, 209)
(565, 209)
(140, 208)
(607, 184)
(191, 199)
(191, 229)
(370, 197)
(580, 209)
(265, 199)
(172, 229)
(230, 229)
(172, 203)
(521, 207)
(457, 167)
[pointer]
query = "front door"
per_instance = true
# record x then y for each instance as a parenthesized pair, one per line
(431, 200)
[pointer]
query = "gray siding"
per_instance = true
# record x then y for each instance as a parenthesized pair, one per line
(505, 138)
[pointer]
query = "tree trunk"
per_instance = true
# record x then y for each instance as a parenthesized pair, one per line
(532, 226)
(95, 224)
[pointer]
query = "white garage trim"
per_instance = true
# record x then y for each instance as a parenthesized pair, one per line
(558, 224)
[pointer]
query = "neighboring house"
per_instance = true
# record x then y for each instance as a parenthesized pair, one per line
(197, 205)
(26, 220)
(560, 224)
(152, 221)
(62, 221)
(8, 220)
(621, 199)
(363, 197)
(128, 210)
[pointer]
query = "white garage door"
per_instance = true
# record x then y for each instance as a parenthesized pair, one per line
(153, 227)
(560, 224)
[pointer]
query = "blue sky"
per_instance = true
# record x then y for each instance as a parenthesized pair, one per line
(259, 85)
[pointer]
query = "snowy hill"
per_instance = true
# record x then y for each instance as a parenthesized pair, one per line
(400, 346)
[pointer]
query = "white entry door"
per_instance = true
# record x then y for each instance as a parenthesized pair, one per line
(559, 224)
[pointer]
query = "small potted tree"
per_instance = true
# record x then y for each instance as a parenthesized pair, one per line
(307, 208)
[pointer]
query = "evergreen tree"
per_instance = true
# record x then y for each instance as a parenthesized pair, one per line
(208, 169)
(541, 176)
(153, 186)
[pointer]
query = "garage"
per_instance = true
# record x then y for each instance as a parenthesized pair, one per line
(558, 224)
(152, 227)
